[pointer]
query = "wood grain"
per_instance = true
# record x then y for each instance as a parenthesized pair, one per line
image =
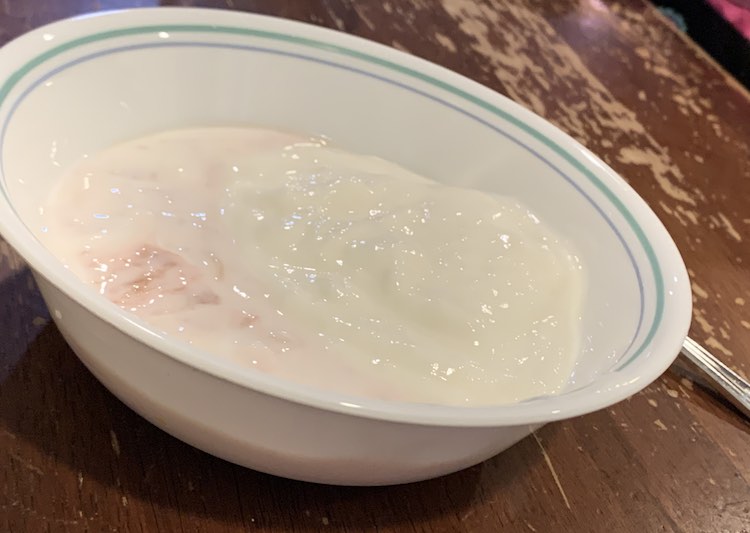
(619, 78)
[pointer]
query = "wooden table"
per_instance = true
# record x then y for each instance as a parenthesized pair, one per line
(615, 75)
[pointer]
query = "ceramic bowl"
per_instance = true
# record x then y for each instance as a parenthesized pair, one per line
(80, 85)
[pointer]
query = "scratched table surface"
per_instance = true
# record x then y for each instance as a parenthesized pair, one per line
(615, 75)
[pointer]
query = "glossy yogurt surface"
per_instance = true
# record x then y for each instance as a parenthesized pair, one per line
(336, 270)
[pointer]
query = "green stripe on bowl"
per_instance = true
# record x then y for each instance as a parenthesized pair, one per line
(13, 80)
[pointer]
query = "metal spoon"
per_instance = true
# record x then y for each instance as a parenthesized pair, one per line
(724, 380)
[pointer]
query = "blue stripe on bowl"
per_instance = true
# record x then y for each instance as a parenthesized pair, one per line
(14, 79)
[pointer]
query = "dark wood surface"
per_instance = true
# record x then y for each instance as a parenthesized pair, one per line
(619, 78)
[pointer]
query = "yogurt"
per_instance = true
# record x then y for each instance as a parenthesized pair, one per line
(335, 270)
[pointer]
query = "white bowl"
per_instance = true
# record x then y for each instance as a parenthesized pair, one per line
(80, 85)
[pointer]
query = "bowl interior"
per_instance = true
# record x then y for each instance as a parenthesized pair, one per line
(131, 75)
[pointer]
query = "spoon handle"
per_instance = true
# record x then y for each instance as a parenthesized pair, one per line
(727, 382)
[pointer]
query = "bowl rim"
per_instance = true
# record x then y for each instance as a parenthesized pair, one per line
(660, 348)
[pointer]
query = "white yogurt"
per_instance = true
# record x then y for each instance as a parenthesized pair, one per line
(336, 270)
